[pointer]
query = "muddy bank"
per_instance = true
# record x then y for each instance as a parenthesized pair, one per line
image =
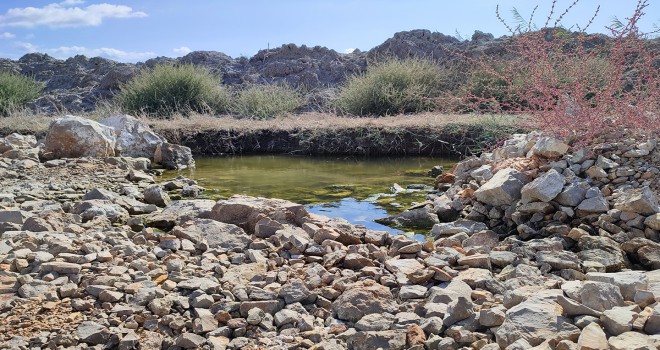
(448, 140)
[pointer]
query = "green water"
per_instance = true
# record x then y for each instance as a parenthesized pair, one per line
(356, 189)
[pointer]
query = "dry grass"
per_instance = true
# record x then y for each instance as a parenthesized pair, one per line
(316, 120)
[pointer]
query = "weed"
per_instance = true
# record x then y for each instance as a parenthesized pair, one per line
(16, 91)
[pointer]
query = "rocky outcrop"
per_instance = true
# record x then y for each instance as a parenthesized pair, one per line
(81, 256)
(73, 137)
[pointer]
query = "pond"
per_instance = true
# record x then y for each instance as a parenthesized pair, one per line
(359, 190)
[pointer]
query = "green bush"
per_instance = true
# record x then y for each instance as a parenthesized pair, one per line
(266, 101)
(169, 89)
(15, 91)
(394, 86)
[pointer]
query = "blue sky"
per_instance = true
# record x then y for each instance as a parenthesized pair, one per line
(132, 31)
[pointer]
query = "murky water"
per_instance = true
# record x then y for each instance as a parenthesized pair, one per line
(356, 189)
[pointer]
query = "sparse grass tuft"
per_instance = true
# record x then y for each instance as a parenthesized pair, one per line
(266, 101)
(16, 91)
(168, 89)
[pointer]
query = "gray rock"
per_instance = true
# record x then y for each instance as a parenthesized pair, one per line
(592, 337)
(375, 322)
(246, 211)
(155, 194)
(544, 188)
(201, 283)
(294, 291)
(412, 292)
(653, 323)
(458, 310)
(535, 321)
(173, 156)
(90, 209)
(573, 194)
(179, 212)
(286, 316)
(593, 205)
(653, 221)
(92, 333)
(600, 296)
(394, 340)
(448, 291)
(503, 189)
(559, 260)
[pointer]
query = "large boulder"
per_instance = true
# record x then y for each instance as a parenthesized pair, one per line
(134, 138)
(73, 137)
(173, 156)
(179, 212)
(503, 188)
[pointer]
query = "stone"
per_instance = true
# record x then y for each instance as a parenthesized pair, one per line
(61, 267)
(600, 296)
(375, 322)
(592, 337)
(246, 211)
(548, 147)
(653, 221)
(572, 194)
(593, 205)
(173, 156)
(155, 194)
(448, 291)
(535, 320)
(632, 341)
(558, 260)
(544, 188)
(405, 266)
(618, 320)
(190, 341)
(75, 137)
(393, 340)
(90, 209)
(201, 283)
(412, 292)
(503, 188)
(134, 138)
(363, 298)
(179, 212)
(642, 201)
(653, 323)
(294, 291)
(286, 316)
(458, 310)
(92, 333)
(215, 233)
(628, 281)
(492, 317)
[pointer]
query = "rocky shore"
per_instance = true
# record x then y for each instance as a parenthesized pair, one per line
(535, 248)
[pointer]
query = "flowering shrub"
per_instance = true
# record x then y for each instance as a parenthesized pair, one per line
(577, 86)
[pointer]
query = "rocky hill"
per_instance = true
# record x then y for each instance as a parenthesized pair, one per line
(78, 83)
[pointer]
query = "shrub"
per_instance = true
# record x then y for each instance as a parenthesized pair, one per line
(266, 101)
(16, 91)
(577, 86)
(169, 89)
(393, 86)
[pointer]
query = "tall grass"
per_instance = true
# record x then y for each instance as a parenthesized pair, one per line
(393, 86)
(16, 91)
(266, 101)
(169, 89)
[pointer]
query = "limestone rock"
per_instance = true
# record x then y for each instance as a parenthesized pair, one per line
(592, 337)
(155, 194)
(246, 211)
(632, 341)
(549, 147)
(74, 137)
(394, 340)
(544, 188)
(600, 296)
(134, 138)
(642, 201)
(503, 188)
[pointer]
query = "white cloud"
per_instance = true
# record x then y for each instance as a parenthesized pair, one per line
(350, 50)
(71, 2)
(182, 50)
(69, 51)
(7, 35)
(61, 15)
